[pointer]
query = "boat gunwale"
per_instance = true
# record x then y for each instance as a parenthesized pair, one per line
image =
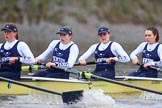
(137, 78)
(71, 80)
(83, 81)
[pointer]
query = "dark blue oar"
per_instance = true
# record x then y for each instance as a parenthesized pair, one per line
(91, 63)
(89, 76)
(88, 63)
(67, 97)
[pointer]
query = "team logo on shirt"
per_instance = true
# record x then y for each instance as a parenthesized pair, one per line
(101, 55)
(58, 59)
(100, 60)
(1, 51)
(5, 59)
(147, 55)
(7, 54)
(55, 49)
(147, 60)
(59, 54)
(144, 51)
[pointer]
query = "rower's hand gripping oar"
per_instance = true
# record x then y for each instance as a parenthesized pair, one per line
(103, 61)
(32, 68)
(89, 76)
(67, 97)
(158, 69)
(29, 68)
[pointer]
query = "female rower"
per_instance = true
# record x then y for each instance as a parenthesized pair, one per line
(151, 52)
(64, 54)
(107, 50)
(13, 53)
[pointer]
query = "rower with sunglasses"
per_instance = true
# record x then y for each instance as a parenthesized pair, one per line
(105, 50)
(64, 54)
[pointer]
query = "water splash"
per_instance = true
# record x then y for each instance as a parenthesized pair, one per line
(96, 99)
(91, 99)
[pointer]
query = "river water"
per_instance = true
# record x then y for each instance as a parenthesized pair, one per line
(91, 99)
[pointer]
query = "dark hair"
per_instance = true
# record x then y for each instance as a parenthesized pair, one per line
(155, 32)
(14, 25)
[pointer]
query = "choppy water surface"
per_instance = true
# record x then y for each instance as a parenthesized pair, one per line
(91, 99)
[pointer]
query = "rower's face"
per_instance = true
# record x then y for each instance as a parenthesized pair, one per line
(150, 37)
(65, 38)
(9, 35)
(105, 37)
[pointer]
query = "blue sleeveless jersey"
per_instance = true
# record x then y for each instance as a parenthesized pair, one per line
(61, 56)
(99, 55)
(147, 56)
(6, 54)
(150, 56)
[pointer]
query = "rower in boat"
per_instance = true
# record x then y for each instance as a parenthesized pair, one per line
(151, 52)
(13, 53)
(65, 53)
(105, 50)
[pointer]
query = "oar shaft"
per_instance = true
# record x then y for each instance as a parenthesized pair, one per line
(88, 63)
(30, 86)
(92, 63)
(126, 84)
(89, 75)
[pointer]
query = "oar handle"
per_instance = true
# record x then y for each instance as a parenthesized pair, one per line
(92, 63)
(31, 68)
(152, 67)
(88, 63)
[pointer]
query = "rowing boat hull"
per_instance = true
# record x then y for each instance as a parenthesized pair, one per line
(13, 89)
(73, 85)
